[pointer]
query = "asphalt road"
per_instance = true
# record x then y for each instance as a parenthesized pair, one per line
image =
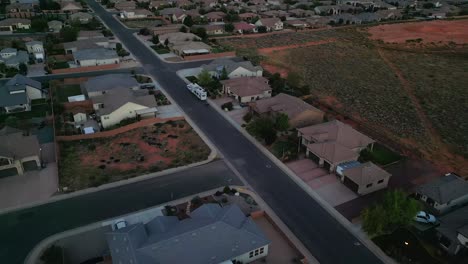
(321, 233)
(21, 230)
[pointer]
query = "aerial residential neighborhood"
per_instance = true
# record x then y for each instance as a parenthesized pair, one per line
(233, 132)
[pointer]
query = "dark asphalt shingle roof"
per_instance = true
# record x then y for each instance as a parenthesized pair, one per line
(213, 234)
(445, 188)
(109, 82)
(14, 144)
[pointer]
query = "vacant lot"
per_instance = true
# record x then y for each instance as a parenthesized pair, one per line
(353, 78)
(439, 81)
(430, 31)
(142, 150)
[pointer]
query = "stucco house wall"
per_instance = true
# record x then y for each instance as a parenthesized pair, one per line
(124, 112)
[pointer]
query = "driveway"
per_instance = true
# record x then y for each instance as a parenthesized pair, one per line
(33, 186)
(168, 111)
(327, 185)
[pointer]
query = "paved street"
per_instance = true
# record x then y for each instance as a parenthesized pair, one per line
(322, 234)
(22, 230)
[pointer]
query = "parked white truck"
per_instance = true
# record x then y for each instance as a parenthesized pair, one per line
(197, 90)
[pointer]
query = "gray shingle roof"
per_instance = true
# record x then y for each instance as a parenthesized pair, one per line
(14, 145)
(98, 54)
(444, 189)
(85, 43)
(230, 65)
(456, 221)
(213, 234)
(23, 80)
(109, 82)
(116, 98)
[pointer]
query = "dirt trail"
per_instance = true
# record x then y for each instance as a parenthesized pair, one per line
(440, 153)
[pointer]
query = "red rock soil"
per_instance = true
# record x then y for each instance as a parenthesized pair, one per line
(137, 146)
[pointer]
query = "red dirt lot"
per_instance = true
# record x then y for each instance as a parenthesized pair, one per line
(429, 31)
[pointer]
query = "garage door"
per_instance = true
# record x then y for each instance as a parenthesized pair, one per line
(314, 158)
(350, 184)
(327, 166)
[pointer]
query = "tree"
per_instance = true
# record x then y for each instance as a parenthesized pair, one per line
(229, 27)
(166, 42)
(428, 5)
(262, 29)
(188, 21)
(201, 32)
(263, 128)
(183, 29)
(144, 31)
(12, 121)
(281, 122)
(39, 24)
(23, 69)
(395, 211)
(224, 74)
(69, 34)
(155, 39)
(286, 149)
(204, 78)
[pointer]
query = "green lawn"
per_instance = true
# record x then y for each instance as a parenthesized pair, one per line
(61, 65)
(62, 92)
(380, 155)
(160, 50)
(192, 79)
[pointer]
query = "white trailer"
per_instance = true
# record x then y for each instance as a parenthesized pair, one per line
(197, 90)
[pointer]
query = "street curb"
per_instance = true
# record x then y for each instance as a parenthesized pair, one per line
(35, 253)
(340, 218)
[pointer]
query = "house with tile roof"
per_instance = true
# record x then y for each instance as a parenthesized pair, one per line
(247, 89)
(444, 194)
(364, 178)
(212, 235)
(299, 112)
(271, 24)
(333, 143)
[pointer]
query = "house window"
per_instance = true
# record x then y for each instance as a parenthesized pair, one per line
(369, 185)
(261, 250)
(380, 181)
(251, 254)
(256, 252)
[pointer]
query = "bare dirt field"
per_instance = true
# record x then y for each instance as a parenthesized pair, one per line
(410, 97)
(142, 150)
(430, 31)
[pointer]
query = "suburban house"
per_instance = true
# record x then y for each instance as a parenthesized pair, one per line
(70, 6)
(174, 14)
(92, 34)
(214, 29)
(215, 16)
(296, 23)
(89, 43)
(55, 25)
(299, 112)
(83, 18)
(17, 93)
(119, 104)
(453, 231)
(18, 150)
(247, 16)
(244, 27)
(99, 85)
(95, 57)
(185, 44)
(13, 57)
(233, 69)
(444, 194)
(36, 48)
(247, 89)
(333, 143)
(271, 24)
(135, 13)
(20, 10)
(212, 234)
(125, 5)
(363, 178)
(12, 24)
